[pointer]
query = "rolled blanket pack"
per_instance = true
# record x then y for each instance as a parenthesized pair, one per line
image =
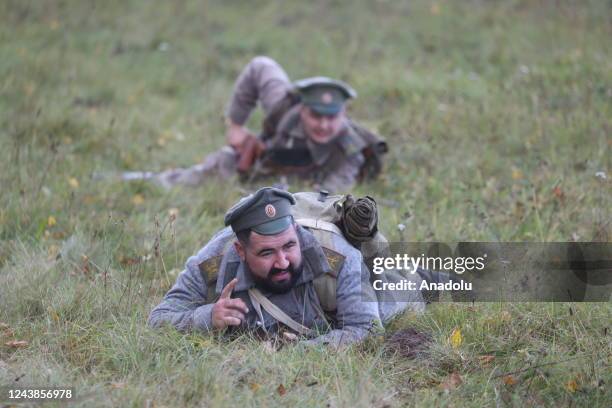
(359, 219)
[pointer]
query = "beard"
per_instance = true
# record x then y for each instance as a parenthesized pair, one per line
(282, 286)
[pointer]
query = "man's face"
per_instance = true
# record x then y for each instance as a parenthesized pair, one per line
(274, 260)
(321, 128)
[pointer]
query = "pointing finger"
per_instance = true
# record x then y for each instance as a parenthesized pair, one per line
(226, 293)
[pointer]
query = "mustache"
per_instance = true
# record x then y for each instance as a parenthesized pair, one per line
(277, 271)
(269, 283)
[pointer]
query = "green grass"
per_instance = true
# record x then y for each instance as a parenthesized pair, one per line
(498, 115)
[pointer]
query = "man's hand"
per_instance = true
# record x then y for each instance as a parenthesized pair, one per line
(228, 311)
(237, 136)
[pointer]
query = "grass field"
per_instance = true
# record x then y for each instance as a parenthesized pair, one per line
(498, 114)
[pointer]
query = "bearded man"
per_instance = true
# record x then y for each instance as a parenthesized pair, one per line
(261, 274)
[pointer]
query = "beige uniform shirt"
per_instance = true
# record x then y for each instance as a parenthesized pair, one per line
(333, 166)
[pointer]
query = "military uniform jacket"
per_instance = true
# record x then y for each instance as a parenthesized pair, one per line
(187, 305)
(335, 166)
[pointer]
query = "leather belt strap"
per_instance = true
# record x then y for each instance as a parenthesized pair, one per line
(257, 298)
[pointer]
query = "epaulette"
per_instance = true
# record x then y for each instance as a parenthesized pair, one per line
(334, 259)
(209, 269)
(351, 143)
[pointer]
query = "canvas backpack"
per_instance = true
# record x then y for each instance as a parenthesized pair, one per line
(322, 215)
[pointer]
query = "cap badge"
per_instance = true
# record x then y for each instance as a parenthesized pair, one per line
(270, 210)
(327, 98)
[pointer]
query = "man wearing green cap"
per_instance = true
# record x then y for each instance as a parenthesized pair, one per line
(306, 132)
(260, 274)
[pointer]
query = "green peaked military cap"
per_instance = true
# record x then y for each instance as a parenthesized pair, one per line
(267, 212)
(324, 95)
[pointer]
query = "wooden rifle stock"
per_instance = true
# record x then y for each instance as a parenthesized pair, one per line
(251, 149)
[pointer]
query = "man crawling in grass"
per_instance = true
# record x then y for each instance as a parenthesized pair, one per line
(306, 134)
(268, 274)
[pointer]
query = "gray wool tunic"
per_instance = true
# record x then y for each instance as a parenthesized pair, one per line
(186, 306)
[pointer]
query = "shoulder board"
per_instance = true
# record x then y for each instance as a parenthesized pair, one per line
(209, 268)
(351, 143)
(334, 259)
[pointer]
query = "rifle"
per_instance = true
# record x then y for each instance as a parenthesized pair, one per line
(251, 150)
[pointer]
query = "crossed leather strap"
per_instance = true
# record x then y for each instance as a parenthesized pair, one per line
(259, 300)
